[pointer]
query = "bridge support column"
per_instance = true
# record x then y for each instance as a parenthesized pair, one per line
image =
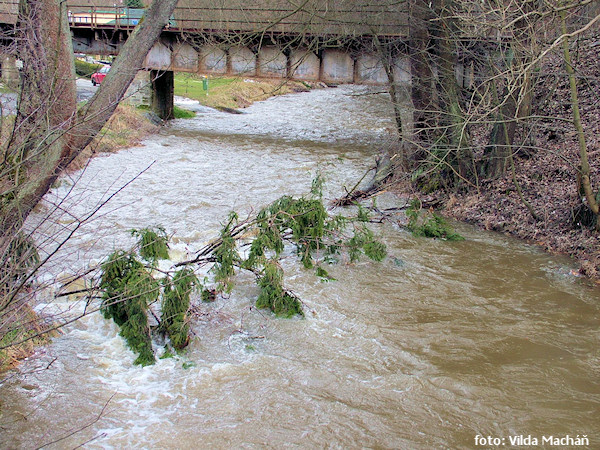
(163, 86)
(304, 65)
(337, 67)
(9, 74)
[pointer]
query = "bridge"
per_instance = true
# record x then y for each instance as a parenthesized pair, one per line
(311, 40)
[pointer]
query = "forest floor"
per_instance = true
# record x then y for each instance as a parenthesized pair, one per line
(546, 170)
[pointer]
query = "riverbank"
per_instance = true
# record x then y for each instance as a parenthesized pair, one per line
(426, 329)
(234, 93)
(546, 176)
(546, 171)
(127, 127)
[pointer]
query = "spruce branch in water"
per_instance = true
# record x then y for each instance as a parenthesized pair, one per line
(129, 281)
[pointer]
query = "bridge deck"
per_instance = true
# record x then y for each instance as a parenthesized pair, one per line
(344, 18)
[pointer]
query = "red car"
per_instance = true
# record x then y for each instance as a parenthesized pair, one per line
(98, 77)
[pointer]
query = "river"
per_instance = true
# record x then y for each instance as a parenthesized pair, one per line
(436, 345)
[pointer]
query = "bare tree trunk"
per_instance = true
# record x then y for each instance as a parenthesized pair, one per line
(583, 155)
(400, 97)
(49, 132)
(47, 105)
(516, 99)
(130, 60)
(461, 157)
(423, 92)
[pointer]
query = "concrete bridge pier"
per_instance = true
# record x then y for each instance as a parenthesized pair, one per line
(9, 74)
(163, 87)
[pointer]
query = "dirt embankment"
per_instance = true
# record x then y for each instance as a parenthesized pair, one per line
(547, 171)
(126, 128)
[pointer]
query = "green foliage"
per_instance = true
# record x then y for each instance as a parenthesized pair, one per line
(432, 226)
(153, 243)
(305, 223)
(316, 188)
(86, 69)
(323, 274)
(175, 305)
(273, 295)
(181, 113)
(208, 295)
(362, 215)
(374, 250)
(188, 365)
(128, 290)
(129, 287)
(305, 218)
(364, 241)
(226, 257)
(167, 354)
(135, 4)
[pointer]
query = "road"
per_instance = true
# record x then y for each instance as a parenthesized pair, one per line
(85, 90)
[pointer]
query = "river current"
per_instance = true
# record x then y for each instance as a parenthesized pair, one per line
(440, 343)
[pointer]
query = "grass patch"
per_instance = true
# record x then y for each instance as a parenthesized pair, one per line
(178, 112)
(232, 93)
(182, 113)
(23, 324)
(126, 128)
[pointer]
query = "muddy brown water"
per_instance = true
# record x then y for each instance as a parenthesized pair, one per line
(439, 343)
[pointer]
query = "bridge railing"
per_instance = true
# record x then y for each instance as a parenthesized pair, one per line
(107, 17)
(8, 11)
(342, 18)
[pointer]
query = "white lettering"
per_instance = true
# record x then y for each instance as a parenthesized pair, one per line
(488, 440)
(583, 440)
(523, 440)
